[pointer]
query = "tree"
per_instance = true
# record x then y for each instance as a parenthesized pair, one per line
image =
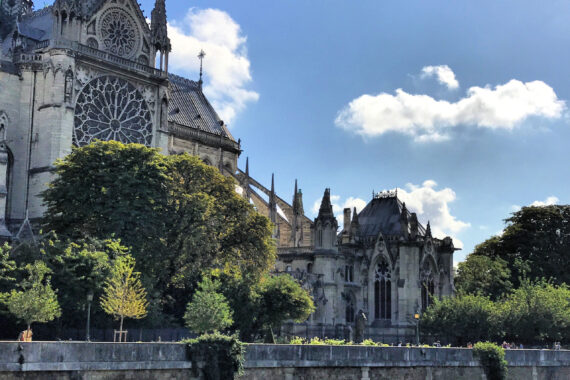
(461, 319)
(36, 301)
(282, 298)
(484, 276)
(209, 310)
(535, 244)
(7, 268)
(537, 313)
(172, 209)
(124, 295)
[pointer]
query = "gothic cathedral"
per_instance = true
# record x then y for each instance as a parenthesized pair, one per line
(80, 70)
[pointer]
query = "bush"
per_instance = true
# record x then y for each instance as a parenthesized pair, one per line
(224, 355)
(316, 341)
(297, 340)
(492, 358)
(335, 342)
(368, 342)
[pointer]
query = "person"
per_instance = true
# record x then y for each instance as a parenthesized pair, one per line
(469, 345)
(505, 345)
(521, 346)
(399, 344)
(437, 344)
(27, 335)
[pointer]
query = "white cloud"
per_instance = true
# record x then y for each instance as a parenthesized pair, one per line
(427, 119)
(444, 75)
(433, 205)
(339, 206)
(226, 66)
(549, 201)
(552, 200)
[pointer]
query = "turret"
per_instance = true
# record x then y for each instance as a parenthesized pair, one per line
(404, 221)
(298, 212)
(354, 225)
(159, 33)
(326, 224)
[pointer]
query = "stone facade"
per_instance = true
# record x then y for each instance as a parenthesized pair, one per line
(370, 279)
(80, 70)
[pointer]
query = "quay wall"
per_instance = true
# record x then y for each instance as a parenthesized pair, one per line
(79, 360)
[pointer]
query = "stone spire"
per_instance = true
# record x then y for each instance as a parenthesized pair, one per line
(326, 224)
(404, 221)
(354, 225)
(272, 202)
(428, 230)
(247, 188)
(158, 27)
(297, 223)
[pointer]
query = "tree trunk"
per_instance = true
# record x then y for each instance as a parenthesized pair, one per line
(121, 327)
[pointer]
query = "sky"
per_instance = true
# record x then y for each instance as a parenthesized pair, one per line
(461, 105)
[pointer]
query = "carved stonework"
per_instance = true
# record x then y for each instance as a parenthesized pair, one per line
(119, 32)
(110, 108)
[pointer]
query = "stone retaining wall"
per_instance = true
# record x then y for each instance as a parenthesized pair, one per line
(77, 360)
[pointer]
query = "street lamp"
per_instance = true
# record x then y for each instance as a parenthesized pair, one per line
(89, 300)
(417, 318)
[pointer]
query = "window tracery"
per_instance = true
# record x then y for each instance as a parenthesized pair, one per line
(119, 32)
(110, 108)
(383, 290)
(427, 284)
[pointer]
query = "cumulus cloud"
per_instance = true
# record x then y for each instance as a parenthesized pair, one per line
(424, 118)
(549, 201)
(339, 205)
(226, 66)
(443, 74)
(431, 204)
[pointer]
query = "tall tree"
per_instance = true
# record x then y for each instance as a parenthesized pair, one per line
(484, 276)
(124, 295)
(535, 244)
(36, 301)
(7, 268)
(170, 209)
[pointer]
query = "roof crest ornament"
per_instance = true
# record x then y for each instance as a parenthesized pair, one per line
(201, 57)
(386, 194)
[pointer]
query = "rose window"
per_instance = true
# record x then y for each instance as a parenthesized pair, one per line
(119, 32)
(110, 108)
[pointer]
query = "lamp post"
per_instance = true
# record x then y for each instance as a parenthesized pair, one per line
(417, 318)
(89, 300)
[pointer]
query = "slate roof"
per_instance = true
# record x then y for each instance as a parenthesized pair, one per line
(383, 214)
(189, 107)
(38, 25)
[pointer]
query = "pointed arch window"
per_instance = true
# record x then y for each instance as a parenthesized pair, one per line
(427, 284)
(383, 290)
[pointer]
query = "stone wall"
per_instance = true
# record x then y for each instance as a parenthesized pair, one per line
(75, 360)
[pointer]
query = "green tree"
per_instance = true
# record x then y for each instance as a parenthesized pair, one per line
(124, 295)
(36, 301)
(7, 268)
(281, 298)
(492, 358)
(209, 310)
(537, 312)
(484, 276)
(170, 209)
(461, 319)
(535, 244)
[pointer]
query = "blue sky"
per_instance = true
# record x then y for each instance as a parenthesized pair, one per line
(460, 104)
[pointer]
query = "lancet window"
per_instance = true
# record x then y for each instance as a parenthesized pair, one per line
(427, 284)
(383, 290)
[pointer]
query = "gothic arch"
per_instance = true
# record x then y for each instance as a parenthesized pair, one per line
(428, 280)
(381, 289)
(4, 121)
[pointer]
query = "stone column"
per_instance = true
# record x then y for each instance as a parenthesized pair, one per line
(365, 375)
(4, 233)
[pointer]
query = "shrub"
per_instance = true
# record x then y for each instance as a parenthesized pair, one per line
(368, 342)
(316, 341)
(335, 342)
(297, 340)
(492, 358)
(224, 355)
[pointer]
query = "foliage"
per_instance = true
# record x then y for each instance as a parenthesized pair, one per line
(169, 209)
(463, 318)
(7, 267)
(224, 354)
(537, 313)
(36, 301)
(484, 276)
(535, 244)
(282, 298)
(316, 341)
(297, 340)
(209, 310)
(368, 342)
(124, 295)
(492, 358)
(335, 342)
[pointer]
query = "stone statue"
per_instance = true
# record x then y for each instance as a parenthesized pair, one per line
(360, 326)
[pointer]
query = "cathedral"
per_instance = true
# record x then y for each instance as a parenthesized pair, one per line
(80, 70)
